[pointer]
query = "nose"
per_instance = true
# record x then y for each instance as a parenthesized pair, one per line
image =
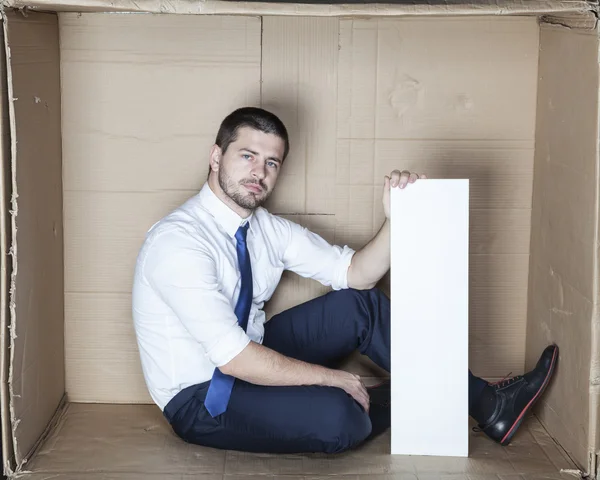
(258, 171)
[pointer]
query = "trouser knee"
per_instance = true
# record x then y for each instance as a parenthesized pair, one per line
(347, 427)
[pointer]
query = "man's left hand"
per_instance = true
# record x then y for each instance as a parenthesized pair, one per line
(397, 179)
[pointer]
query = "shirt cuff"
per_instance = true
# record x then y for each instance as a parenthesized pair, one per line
(228, 347)
(340, 275)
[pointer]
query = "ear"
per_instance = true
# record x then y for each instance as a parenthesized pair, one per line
(215, 158)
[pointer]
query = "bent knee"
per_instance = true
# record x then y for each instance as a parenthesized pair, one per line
(345, 425)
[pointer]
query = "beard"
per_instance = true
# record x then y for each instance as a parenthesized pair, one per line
(240, 196)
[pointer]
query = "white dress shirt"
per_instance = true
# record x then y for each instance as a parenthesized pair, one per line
(187, 282)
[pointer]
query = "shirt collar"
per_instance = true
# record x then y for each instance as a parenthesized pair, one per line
(223, 215)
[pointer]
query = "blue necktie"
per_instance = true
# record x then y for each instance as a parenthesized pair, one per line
(220, 386)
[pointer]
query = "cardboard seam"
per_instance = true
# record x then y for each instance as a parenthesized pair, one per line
(588, 23)
(576, 472)
(13, 248)
(58, 419)
(567, 453)
(594, 388)
(212, 7)
(7, 446)
(262, 38)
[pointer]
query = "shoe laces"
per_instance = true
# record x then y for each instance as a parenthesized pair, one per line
(506, 381)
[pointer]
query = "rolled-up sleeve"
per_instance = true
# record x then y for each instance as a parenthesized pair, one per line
(310, 255)
(184, 274)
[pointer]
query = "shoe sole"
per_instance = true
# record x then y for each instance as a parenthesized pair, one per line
(510, 434)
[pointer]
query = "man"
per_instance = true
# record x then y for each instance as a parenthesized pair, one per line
(225, 378)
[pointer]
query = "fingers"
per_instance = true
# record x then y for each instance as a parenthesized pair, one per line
(366, 400)
(361, 395)
(354, 387)
(395, 178)
(402, 178)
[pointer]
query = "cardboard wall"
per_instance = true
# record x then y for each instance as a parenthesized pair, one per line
(5, 258)
(563, 266)
(142, 100)
(36, 377)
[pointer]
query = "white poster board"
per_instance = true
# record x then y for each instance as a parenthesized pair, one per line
(429, 315)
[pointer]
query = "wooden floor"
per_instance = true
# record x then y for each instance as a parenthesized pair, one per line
(134, 442)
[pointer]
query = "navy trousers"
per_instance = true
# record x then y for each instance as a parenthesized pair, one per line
(300, 418)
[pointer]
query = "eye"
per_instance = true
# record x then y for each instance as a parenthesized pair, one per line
(246, 156)
(272, 164)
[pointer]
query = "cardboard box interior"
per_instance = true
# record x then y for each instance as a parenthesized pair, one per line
(107, 120)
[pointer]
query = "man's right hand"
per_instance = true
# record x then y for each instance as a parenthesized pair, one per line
(353, 385)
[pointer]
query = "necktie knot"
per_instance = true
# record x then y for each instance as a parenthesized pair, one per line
(240, 235)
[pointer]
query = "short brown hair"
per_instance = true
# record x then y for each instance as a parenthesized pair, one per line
(252, 117)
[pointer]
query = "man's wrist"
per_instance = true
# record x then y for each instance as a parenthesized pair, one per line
(328, 378)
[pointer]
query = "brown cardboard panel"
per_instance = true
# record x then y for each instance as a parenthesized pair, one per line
(500, 231)
(567, 224)
(103, 233)
(552, 450)
(170, 80)
(482, 7)
(330, 183)
(93, 374)
(170, 149)
(554, 314)
(497, 314)
(5, 263)
(415, 94)
(299, 83)
(131, 440)
(564, 229)
(429, 78)
(38, 289)
(126, 439)
(501, 173)
(162, 170)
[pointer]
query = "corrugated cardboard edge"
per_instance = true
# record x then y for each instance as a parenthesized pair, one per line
(36, 376)
(13, 467)
(593, 440)
(13, 246)
(5, 186)
(198, 7)
(594, 434)
(573, 21)
(55, 424)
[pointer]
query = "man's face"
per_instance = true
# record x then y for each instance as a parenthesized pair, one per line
(249, 168)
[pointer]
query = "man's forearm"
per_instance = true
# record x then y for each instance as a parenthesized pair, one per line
(371, 262)
(262, 366)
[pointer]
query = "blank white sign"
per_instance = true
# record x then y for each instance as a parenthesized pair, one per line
(429, 314)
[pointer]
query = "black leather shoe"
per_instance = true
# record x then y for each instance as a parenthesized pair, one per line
(515, 397)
